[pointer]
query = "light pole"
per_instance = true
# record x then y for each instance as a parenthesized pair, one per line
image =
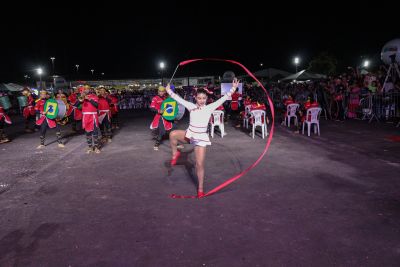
(77, 70)
(92, 70)
(162, 66)
(40, 72)
(52, 63)
(296, 62)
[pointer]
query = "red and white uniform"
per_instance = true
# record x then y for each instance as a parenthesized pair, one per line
(235, 101)
(90, 114)
(113, 104)
(4, 116)
(199, 119)
(156, 104)
(29, 110)
(40, 107)
(104, 109)
(77, 113)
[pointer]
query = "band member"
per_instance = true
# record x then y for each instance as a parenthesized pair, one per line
(104, 115)
(90, 120)
(235, 107)
(61, 96)
(29, 110)
(74, 110)
(45, 122)
(114, 102)
(197, 131)
(159, 129)
(3, 120)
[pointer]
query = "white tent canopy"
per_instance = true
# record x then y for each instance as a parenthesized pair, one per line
(304, 75)
(270, 73)
(12, 87)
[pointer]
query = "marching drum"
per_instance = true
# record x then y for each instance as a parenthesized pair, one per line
(62, 109)
(22, 101)
(181, 112)
(5, 102)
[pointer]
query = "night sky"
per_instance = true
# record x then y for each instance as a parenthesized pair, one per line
(128, 41)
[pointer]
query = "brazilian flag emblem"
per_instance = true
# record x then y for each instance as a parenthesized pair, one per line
(170, 107)
(51, 107)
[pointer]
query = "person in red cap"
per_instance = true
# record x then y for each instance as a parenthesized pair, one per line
(28, 111)
(90, 119)
(159, 129)
(74, 112)
(104, 115)
(45, 122)
(3, 120)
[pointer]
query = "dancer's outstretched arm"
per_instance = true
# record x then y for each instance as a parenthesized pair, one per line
(220, 101)
(179, 99)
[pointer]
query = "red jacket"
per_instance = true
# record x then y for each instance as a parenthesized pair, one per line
(104, 109)
(156, 104)
(29, 110)
(235, 101)
(4, 116)
(40, 107)
(113, 104)
(90, 116)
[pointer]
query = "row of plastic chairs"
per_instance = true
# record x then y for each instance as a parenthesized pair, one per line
(258, 117)
(311, 119)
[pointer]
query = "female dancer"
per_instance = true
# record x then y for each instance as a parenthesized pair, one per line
(196, 133)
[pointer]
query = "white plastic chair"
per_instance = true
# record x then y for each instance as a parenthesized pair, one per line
(312, 117)
(246, 116)
(366, 109)
(291, 113)
(218, 120)
(259, 120)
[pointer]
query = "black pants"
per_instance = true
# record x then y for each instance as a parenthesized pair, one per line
(105, 128)
(74, 122)
(28, 121)
(114, 119)
(341, 110)
(2, 134)
(235, 116)
(43, 130)
(159, 132)
(92, 138)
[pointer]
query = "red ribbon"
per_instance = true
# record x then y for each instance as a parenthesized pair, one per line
(237, 176)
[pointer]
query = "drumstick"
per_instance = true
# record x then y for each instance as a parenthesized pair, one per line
(174, 74)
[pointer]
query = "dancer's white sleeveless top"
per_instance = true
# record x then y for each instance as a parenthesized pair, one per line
(199, 118)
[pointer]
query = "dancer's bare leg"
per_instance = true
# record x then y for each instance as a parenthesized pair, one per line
(200, 153)
(174, 137)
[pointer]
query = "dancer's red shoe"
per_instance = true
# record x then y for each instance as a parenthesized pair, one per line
(200, 194)
(175, 158)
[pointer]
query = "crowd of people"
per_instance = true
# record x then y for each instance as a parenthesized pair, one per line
(340, 96)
